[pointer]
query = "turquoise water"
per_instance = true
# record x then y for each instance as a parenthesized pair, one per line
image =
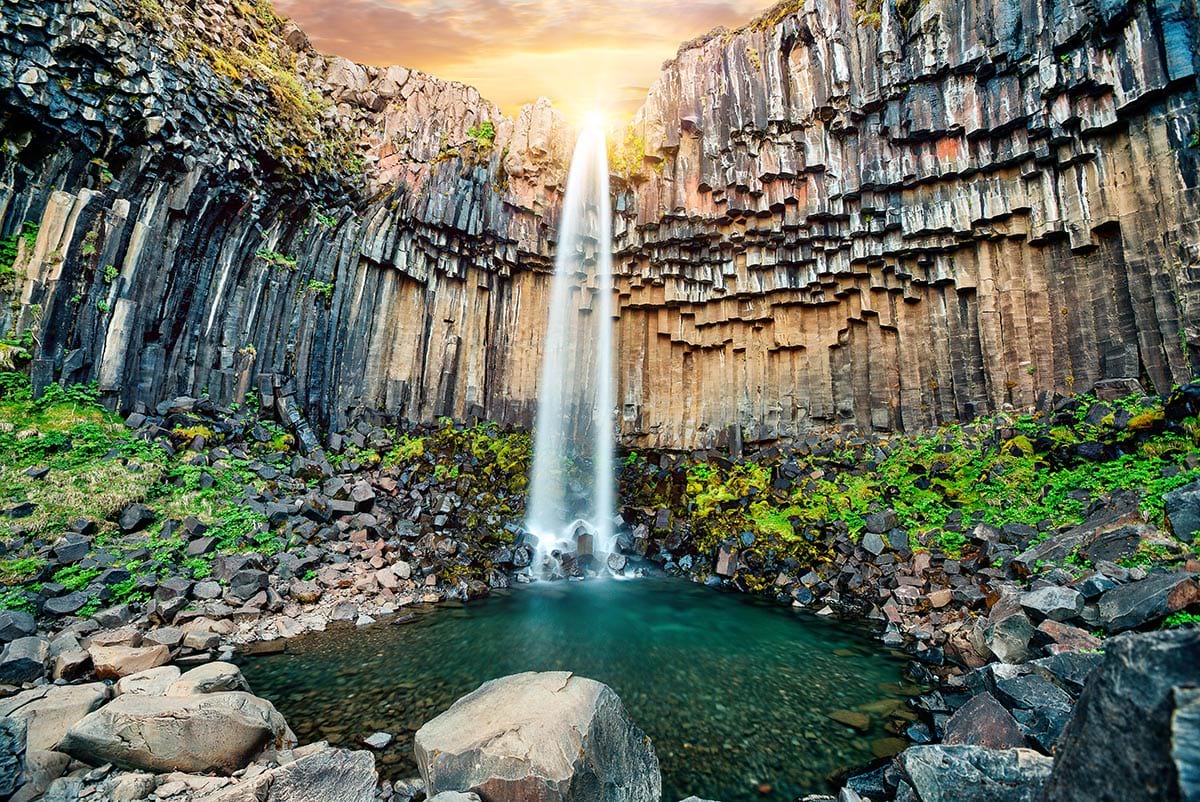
(735, 692)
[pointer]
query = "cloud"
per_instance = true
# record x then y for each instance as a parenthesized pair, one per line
(577, 52)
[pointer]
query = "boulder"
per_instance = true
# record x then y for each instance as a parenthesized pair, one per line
(1185, 742)
(974, 773)
(983, 721)
(16, 624)
(209, 678)
(216, 732)
(1008, 638)
(1117, 746)
(326, 775)
(114, 662)
(24, 660)
(727, 560)
(135, 517)
(1182, 508)
(1053, 602)
(12, 754)
(1137, 604)
(151, 682)
(550, 736)
(49, 711)
(65, 604)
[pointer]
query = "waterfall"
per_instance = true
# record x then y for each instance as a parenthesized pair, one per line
(571, 490)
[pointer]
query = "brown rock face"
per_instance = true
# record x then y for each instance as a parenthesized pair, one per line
(835, 223)
(889, 226)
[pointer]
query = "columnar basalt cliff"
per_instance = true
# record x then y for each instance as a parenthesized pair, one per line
(896, 216)
(837, 217)
(218, 205)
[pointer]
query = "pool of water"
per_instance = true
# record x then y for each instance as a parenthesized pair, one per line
(736, 693)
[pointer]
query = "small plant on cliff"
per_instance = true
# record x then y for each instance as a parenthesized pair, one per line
(868, 12)
(483, 135)
(10, 248)
(111, 273)
(276, 259)
(89, 244)
(627, 157)
(102, 306)
(321, 289)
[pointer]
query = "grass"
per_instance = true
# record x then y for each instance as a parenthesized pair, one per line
(97, 467)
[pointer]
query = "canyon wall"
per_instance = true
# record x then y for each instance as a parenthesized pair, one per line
(869, 220)
(836, 217)
(219, 207)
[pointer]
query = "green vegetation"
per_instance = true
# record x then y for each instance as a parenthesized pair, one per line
(276, 259)
(627, 156)
(1181, 619)
(98, 467)
(321, 289)
(483, 135)
(9, 249)
(110, 273)
(1025, 470)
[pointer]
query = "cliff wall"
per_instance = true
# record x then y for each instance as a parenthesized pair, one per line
(217, 205)
(896, 216)
(840, 216)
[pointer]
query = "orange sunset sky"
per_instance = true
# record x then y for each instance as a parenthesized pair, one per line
(582, 55)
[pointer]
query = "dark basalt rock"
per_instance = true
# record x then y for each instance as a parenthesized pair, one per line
(974, 773)
(1117, 746)
(24, 660)
(983, 721)
(1138, 604)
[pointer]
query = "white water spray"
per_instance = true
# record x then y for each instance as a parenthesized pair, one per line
(571, 489)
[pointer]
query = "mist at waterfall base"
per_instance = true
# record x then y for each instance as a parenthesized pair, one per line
(571, 489)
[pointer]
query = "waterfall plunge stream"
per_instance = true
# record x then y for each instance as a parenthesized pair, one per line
(571, 488)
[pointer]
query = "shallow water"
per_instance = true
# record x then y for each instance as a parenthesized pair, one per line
(734, 692)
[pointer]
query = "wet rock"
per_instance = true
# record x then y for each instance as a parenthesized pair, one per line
(974, 773)
(550, 736)
(378, 740)
(1137, 604)
(218, 732)
(852, 718)
(326, 775)
(983, 721)
(24, 660)
(1117, 746)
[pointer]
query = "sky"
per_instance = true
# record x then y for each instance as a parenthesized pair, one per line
(584, 55)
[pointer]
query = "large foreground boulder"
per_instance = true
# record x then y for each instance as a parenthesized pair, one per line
(1118, 745)
(551, 737)
(216, 732)
(974, 774)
